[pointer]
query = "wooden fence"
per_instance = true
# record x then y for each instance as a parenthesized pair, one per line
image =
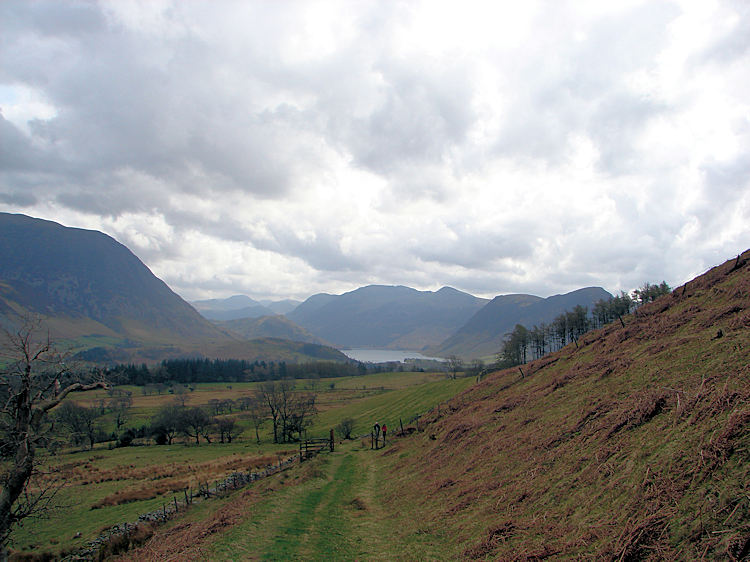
(311, 447)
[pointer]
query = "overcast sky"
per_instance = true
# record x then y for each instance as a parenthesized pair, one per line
(280, 149)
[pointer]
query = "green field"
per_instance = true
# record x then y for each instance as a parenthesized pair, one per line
(106, 486)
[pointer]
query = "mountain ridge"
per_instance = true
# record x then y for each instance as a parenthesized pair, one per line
(386, 316)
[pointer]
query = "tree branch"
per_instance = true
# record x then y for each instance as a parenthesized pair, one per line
(45, 407)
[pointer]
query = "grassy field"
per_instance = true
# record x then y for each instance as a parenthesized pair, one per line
(105, 486)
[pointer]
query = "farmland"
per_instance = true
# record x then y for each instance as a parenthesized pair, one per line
(105, 486)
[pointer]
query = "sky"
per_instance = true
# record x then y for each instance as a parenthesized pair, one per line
(282, 149)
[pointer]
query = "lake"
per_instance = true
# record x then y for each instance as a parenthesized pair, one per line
(385, 355)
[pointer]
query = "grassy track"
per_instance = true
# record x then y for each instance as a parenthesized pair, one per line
(337, 515)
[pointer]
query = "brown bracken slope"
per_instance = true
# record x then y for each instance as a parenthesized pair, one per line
(632, 445)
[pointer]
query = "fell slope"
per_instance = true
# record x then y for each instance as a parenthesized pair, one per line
(86, 283)
(633, 445)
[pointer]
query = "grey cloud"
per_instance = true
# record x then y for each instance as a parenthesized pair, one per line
(424, 112)
(472, 248)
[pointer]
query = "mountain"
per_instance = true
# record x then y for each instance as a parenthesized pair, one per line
(97, 299)
(277, 326)
(232, 308)
(633, 444)
(483, 334)
(85, 283)
(380, 316)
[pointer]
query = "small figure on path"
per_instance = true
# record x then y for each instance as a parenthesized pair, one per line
(376, 434)
(384, 429)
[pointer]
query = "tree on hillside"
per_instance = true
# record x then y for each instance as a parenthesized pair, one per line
(33, 380)
(649, 293)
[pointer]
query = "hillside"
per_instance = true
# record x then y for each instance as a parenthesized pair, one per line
(633, 445)
(276, 326)
(386, 317)
(483, 334)
(85, 283)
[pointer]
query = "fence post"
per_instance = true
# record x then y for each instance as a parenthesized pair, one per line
(332, 440)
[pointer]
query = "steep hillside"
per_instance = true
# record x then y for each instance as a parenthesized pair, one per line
(87, 284)
(277, 326)
(386, 317)
(483, 334)
(634, 444)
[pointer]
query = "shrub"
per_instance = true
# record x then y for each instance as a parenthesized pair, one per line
(345, 427)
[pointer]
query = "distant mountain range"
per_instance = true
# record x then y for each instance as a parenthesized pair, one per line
(241, 306)
(442, 323)
(90, 291)
(392, 317)
(94, 293)
(483, 334)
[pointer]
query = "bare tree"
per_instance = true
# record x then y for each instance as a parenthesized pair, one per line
(120, 407)
(455, 364)
(194, 422)
(256, 411)
(165, 424)
(299, 413)
(272, 393)
(228, 429)
(31, 384)
(180, 394)
(80, 422)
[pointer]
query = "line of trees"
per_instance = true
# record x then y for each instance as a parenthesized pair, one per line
(523, 344)
(187, 371)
